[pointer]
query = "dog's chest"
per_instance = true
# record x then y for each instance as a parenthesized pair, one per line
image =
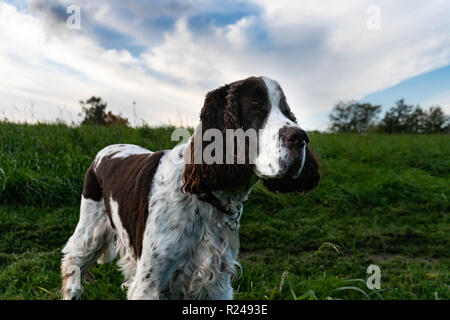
(206, 259)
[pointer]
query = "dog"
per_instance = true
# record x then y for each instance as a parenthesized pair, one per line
(173, 221)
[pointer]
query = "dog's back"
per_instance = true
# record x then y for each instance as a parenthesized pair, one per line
(119, 177)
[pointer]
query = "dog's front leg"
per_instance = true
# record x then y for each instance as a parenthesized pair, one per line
(152, 277)
(146, 284)
(156, 267)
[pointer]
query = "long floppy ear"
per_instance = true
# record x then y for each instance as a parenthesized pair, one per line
(220, 111)
(231, 114)
(309, 178)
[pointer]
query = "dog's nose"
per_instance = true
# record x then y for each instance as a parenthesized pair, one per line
(296, 136)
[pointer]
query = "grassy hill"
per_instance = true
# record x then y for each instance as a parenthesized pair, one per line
(383, 199)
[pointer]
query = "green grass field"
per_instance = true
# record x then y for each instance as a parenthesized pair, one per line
(383, 199)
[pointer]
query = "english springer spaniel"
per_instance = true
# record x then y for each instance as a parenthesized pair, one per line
(173, 222)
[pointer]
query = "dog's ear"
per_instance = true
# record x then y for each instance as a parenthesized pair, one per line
(212, 113)
(232, 108)
(220, 111)
(309, 178)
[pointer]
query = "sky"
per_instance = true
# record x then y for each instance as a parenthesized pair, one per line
(162, 57)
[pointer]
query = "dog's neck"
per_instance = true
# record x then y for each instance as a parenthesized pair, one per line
(228, 203)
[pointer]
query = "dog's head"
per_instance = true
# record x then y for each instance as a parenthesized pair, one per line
(274, 147)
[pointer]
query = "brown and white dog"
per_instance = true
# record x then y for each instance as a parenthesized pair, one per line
(173, 222)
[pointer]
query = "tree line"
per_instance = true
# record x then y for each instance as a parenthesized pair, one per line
(402, 118)
(351, 116)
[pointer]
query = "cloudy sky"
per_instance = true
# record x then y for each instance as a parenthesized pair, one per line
(165, 55)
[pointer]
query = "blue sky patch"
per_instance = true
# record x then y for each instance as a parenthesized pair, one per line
(415, 90)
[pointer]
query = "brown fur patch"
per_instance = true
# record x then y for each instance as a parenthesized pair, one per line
(128, 181)
(92, 189)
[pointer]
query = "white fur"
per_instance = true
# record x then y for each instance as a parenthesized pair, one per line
(119, 151)
(92, 237)
(271, 151)
(303, 162)
(188, 237)
(126, 263)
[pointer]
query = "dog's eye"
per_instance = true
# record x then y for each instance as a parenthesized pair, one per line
(254, 106)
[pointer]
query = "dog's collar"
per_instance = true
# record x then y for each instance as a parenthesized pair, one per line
(231, 221)
(214, 201)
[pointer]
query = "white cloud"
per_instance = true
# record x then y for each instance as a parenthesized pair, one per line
(320, 52)
(215, 58)
(442, 99)
(52, 70)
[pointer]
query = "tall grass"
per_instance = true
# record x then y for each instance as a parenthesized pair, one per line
(43, 165)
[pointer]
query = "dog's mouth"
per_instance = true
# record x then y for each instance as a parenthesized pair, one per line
(291, 163)
(295, 163)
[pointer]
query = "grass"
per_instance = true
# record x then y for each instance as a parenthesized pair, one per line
(383, 199)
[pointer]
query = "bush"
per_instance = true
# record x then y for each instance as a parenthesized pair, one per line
(94, 111)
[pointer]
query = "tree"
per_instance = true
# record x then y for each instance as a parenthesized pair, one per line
(353, 116)
(405, 118)
(94, 113)
(402, 118)
(414, 122)
(435, 121)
